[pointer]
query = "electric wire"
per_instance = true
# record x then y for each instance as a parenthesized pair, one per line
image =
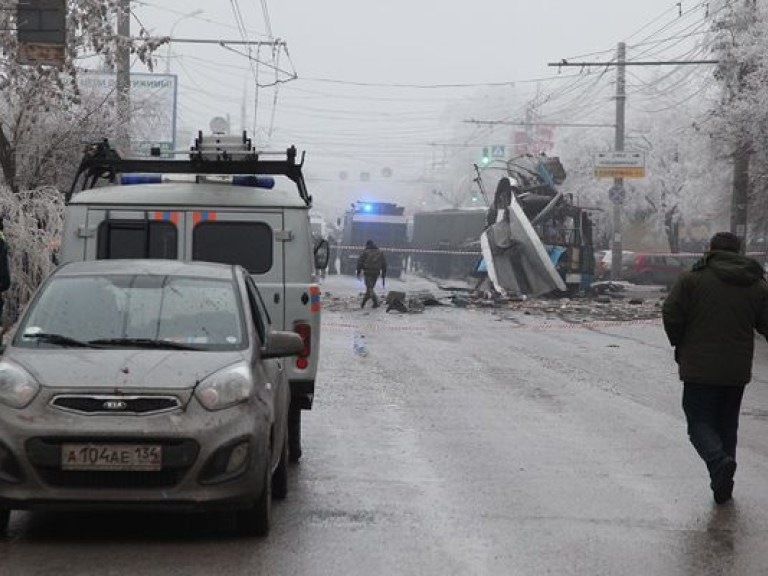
(163, 8)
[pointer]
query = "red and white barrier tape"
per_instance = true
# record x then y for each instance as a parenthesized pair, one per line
(410, 250)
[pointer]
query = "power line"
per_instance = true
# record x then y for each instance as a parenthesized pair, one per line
(564, 63)
(267, 21)
(395, 85)
(649, 24)
(553, 124)
(163, 8)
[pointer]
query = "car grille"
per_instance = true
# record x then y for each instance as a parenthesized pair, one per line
(122, 480)
(102, 404)
(178, 457)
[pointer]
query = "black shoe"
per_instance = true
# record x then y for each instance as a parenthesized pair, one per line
(376, 304)
(722, 482)
(725, 493)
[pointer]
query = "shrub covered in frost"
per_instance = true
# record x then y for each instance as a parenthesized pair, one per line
(33, 222)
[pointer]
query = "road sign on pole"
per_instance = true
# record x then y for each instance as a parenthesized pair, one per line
(41, 32)
(617, 194)
(619, 165)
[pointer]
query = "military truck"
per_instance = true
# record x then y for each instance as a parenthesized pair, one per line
(384, 223)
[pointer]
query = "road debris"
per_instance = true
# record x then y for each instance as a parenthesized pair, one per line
(627, 303)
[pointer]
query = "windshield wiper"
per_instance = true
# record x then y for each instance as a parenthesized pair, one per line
(58, 340)
(143, 343)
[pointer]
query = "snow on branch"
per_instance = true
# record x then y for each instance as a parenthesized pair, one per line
(33, 223)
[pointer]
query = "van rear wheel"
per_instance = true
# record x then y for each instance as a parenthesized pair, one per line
(5, 519)
(294, 432)
(280, 477)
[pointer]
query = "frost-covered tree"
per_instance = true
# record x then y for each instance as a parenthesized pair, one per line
(740, 122)
(43, 115)
(44, 120)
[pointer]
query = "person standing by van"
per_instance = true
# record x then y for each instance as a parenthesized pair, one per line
(371, 263)
(710, 318)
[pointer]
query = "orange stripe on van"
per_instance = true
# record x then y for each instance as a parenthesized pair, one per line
(314, 298)
(204, 216)
(166, 216)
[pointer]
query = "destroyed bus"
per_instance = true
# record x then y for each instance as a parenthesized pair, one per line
(384, 223)
(537, 240)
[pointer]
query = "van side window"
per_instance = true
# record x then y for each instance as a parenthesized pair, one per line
(248, 244)
(137, 239)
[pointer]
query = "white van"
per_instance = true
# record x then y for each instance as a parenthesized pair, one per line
(224, 203)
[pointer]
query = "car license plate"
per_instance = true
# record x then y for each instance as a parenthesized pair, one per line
(115, 457)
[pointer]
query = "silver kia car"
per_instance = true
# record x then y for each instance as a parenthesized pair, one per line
(155, 384)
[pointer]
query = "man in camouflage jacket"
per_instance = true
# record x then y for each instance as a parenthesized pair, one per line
(371, 263)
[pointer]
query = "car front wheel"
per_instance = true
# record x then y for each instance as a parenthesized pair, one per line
(256, 520)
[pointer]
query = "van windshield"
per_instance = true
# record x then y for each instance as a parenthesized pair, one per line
(135, 311)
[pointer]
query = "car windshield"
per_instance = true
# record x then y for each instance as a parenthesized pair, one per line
(135, 311)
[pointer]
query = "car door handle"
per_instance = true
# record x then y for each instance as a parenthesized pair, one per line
(276, 298)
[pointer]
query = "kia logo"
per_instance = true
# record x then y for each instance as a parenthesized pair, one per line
(114, 405)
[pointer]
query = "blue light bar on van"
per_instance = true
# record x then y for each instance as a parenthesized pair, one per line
(128, 179)
(254, 181)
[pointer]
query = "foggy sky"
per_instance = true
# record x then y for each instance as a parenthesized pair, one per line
(333, 43)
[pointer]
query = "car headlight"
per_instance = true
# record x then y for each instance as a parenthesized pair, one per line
(225, 388)
(17, 387)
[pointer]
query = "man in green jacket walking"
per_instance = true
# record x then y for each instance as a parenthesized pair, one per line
(371, 263)
(710, 317)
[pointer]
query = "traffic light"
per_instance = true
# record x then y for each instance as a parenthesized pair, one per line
(485, 159)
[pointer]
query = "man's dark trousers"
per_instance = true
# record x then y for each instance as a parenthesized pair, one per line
(370, 284)
(713, 421)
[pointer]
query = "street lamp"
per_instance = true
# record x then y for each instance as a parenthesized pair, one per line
(170, 36)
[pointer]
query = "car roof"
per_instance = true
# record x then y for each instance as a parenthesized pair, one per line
(190, 195)
(148, 267)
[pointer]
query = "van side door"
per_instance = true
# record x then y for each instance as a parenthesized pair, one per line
(122, 233)
(250, 239)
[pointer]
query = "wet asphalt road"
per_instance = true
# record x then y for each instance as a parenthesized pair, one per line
(465, 442)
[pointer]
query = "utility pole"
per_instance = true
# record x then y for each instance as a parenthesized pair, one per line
(123, 72)
(621, 99)
(740, 193)
(618, 183)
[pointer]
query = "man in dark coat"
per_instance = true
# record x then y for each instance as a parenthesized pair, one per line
(710, 317)
(371, 263)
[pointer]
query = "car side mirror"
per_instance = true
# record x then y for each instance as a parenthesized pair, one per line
(281, 344)
(322, 251)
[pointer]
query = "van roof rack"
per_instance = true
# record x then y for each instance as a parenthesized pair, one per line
(217, 154)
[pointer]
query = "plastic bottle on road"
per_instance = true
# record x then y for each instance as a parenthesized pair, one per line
(359, 345)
